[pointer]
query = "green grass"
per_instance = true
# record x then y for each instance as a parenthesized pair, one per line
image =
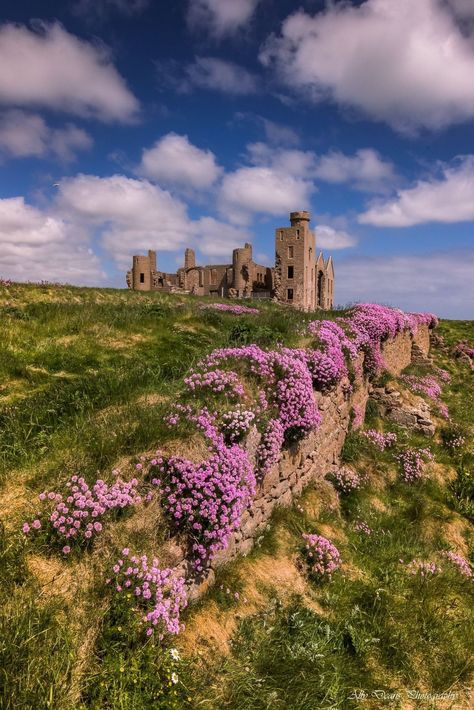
(86, 376)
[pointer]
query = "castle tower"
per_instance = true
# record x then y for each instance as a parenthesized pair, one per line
(142, 276)
(241, 260)
(295, 262)
(189, 259)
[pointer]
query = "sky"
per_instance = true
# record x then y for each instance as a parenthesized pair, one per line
(128, 125)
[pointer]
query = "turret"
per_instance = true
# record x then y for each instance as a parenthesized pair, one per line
(189, 259)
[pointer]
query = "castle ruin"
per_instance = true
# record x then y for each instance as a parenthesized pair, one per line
(299, 277)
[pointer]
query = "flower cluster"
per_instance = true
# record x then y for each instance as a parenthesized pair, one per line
(463, 348)
(269, 448)
(460, 562)
(6, 283)
(380, 440)
(78, 514)
(423, 569)
(236, 309)
(455, 441)
(217, 381)
(346, 479)
(322, 556)
(207, 499)
(426, 385)
(412, 463)
(236, 423)
(362, 527)
(160, 592)
(443, 375)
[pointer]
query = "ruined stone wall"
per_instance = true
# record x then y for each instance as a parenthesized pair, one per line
(317, 454)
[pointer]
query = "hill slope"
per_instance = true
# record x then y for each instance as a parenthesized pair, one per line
(87, 378)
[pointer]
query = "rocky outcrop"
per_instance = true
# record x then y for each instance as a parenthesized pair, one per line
(392, 406)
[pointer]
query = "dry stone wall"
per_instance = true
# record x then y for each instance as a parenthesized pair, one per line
(317, 454)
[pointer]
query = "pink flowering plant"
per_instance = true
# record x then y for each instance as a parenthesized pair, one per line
(322, 557)
(346, 480)
(159, 595)
(206, 499)
(78, 514)
(412, 463)
(459, 562)
(423, 569)
(379, 439)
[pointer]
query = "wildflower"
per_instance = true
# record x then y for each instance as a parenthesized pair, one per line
(174, 678)
(26, 528)
(66, 549)
(36, 524)
(323, 557)
(174, 653)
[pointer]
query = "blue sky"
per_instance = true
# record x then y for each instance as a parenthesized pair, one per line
(135, 124)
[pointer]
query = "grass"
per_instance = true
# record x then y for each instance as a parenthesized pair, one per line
(86, 376)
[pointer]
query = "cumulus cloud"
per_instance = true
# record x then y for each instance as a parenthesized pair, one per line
(50, 67)
(217, 239)
(174, 160)
(132, 215)
(447, 199)
(365, 170)
(407, 63)
(220, 17)
(135, 215)
(329, 238)
(37, 245)
(262, 189)
(298, 163)
(25, 135)
(211, 74)
(440, 282)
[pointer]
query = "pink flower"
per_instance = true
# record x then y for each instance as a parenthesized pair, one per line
(66, 549)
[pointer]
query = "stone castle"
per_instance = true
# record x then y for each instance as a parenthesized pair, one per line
(299, 278)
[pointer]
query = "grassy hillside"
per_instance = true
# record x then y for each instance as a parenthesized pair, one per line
(86, 378)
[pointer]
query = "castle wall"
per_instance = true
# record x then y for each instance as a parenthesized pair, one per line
(293, 280)
(314, 456)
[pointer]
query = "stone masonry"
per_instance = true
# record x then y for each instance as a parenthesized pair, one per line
(314, 456)
(298, 278)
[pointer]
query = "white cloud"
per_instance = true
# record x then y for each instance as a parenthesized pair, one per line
(295, 162)
(135, 215)
(174, 160)
(404, 62)
(447, 199)
(365, 170)
(262, 189)
(220, 17)
(329, 238)
(440, 282)
(25, 134)
(40, 246)
(278, 134)
(53, 68)
(218, 75)
(217, 239)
